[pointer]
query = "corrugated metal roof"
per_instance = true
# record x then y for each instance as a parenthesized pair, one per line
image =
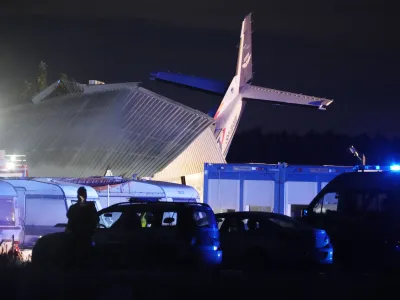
(204, 149)
(122, 127)
(58, 88)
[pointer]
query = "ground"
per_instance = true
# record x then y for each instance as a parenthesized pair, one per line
(175, 285)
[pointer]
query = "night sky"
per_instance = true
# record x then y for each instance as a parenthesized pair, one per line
(345, 50)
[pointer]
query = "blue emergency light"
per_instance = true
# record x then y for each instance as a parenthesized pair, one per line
(369, 168)
(394, 168)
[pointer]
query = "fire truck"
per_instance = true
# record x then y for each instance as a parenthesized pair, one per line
(12, 165)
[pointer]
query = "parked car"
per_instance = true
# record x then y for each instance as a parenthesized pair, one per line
(158, 233)
(266, 240)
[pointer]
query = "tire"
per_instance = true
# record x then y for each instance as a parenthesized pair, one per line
(52, 251)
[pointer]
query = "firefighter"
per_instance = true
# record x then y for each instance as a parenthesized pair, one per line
(82, 222)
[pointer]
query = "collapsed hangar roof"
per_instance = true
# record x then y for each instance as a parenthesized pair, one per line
(72, 129)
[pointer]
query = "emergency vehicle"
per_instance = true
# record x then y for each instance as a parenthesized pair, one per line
(13, 165)
(360, 210)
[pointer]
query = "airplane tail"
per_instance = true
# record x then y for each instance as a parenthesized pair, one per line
(230, 110)
(244, 69)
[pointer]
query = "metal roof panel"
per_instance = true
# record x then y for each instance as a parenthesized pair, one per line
(122, 127)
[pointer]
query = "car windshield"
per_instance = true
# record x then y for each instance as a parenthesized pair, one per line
(288, 223)
(7, 213)
(353, 202)
(204, 218)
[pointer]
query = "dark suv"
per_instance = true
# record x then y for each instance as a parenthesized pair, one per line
(158, 233)
(361, 213)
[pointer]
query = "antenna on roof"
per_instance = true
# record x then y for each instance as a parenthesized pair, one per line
(361, 157)
(183, 180)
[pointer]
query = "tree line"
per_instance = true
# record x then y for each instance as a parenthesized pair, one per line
(313, 148)
(33, 87)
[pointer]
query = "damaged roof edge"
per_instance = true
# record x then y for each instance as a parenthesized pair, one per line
(187, 108)
(81, 133)
(48, 93)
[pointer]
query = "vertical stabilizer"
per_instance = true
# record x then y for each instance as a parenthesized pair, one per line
(231, 108)
(244, 68)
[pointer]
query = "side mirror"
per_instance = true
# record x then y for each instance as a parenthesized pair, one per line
(304, 213)
(169, 221)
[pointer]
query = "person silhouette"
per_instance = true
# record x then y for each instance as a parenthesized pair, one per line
(82, 223)
(252, 224)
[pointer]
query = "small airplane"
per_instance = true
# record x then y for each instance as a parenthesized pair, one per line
(240, 89)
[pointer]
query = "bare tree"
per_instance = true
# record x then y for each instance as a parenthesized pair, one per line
(63, 77)
(42, 77)
(28, 91)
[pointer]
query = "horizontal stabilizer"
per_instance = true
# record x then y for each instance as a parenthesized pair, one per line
(266, 94)
(204, 84)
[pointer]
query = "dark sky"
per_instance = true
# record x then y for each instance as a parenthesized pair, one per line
(345, 50)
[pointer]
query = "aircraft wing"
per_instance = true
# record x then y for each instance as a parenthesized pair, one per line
(266, 94)
(200, 83)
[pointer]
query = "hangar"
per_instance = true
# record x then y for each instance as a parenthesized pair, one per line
(78, 130)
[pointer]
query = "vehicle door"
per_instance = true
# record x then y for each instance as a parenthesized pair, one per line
(111, 235)
(366, 219)
(233, 238)
(124, 240)
(323, 213)
(161, 237)
(339, 213)
(266, 237)
(289, 239)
